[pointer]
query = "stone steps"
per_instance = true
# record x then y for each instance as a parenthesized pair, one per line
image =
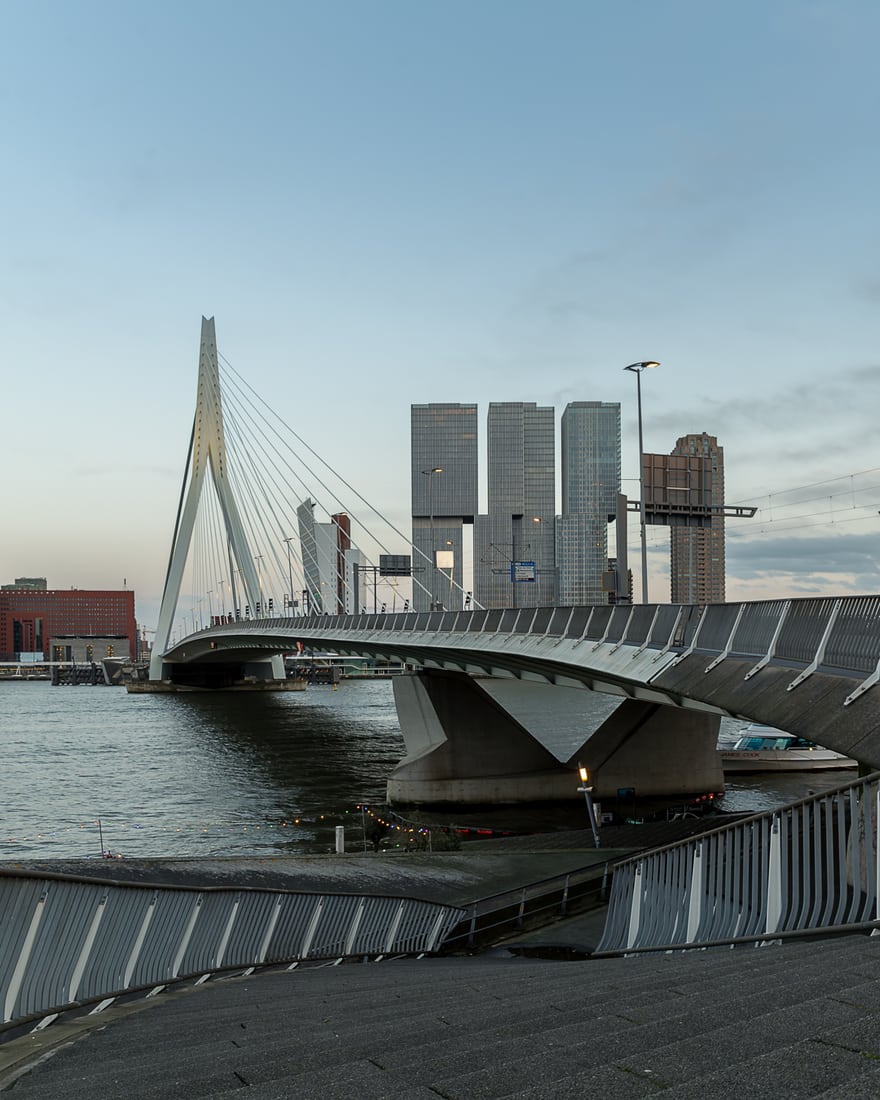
(801, 1019)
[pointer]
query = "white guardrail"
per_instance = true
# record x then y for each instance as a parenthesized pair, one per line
(836, 634)
(813, 865)
(67, 941)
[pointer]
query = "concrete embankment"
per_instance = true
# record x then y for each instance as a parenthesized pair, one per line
(480, 869)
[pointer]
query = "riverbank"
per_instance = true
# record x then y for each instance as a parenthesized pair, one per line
(481, 868)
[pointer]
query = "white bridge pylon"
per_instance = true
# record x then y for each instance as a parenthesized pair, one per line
(207, 451)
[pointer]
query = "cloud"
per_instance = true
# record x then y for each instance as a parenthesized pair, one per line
(825, 556)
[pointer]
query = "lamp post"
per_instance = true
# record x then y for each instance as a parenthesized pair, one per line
(259, 560)
(637, 369)
(587, 792)
(430, 476)
(289, 572)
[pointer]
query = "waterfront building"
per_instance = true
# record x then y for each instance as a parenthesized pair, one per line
(444, 499)
(330, 563)
(64, 624)
(590, 487)
(514, 556)
(697, 554)
(25, 582)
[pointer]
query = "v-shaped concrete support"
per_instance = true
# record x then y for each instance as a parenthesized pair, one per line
(207, 452)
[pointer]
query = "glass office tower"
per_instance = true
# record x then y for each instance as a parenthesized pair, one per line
(590, 485)
(697, 554)
(521, 506)
(444, 499)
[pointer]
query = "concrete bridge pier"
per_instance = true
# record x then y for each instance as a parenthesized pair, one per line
(655, 750)
(473, 741)
(464, 748)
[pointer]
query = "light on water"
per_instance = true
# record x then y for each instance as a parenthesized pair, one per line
(225, 774)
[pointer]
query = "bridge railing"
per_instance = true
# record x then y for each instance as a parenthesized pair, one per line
(833, 633)
(811, 865)
(66, 941)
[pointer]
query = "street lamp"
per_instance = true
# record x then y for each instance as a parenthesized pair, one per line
(259, 560)
(429, 474)
(637, 369)
(587, 791)
(289, 571)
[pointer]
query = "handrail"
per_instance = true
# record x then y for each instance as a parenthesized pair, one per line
(518, 897)
(812, 865)
(872, 926)
(67, 940)
(801, 633)
(743, 819)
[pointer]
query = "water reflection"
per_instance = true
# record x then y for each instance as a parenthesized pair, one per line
(205, 774)
(758, 793)
(188, 774)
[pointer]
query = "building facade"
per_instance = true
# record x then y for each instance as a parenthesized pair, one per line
(697, 554)
(444, 500)
(330, 563)
(514, 562)
(60, 623)
(590, 456)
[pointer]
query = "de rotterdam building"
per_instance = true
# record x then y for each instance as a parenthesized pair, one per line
(444, 500)
(521, 504)
(524, 553)
(590, 485)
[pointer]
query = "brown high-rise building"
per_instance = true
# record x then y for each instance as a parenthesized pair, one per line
(697, 569)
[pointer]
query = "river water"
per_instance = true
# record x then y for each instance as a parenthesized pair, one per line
(219, 774)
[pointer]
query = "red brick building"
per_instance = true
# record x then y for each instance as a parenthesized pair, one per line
(32, 620)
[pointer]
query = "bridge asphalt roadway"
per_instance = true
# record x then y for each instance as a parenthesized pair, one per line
(801, 1020)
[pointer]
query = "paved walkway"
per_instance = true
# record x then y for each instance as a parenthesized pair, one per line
(800, 1020)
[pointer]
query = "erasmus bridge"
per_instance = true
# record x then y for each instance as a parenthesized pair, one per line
(488, 688)
(489, 685)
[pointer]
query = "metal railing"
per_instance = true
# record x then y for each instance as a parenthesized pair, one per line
(813, 865)
(66, 941)
(838, 634)
(531, 905)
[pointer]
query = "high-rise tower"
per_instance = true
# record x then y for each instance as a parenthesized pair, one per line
(521, 505)
(697, 566)
(444, 499)
(590, 486)
(329, 562)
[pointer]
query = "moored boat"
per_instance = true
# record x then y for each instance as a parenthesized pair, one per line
(765, 749)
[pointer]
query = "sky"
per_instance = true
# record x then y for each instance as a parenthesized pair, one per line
(387, 203)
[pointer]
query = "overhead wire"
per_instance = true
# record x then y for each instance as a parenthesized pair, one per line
(244, 385)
